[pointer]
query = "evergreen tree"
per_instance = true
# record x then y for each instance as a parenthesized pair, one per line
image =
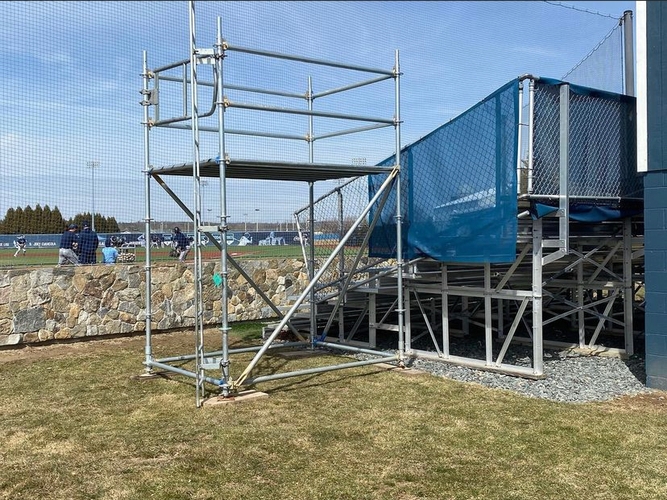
(45, 226)
(38, 220)
(57, 223)
(27, 226)
(18, 221)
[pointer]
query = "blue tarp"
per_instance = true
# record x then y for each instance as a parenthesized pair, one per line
(459, 183)
(458, 187)
(585, 212)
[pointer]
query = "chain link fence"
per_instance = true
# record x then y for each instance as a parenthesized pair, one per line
(602, 144)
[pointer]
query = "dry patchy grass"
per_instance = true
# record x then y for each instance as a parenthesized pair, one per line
(76, 423)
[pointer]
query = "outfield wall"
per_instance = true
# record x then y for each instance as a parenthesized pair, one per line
(42, 304)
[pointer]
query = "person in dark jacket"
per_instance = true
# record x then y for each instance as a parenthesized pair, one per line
(181, 243)
(88, 243)
(69, 241)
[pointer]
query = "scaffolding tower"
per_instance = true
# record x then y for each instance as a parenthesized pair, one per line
(214, 367)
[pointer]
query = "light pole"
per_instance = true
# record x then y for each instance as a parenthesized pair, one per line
(93, 165)
(257, 220)
(245, 223)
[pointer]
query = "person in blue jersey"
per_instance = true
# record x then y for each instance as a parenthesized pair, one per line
(20, 244)
(69, 242)
(88, 243)
(109, 253)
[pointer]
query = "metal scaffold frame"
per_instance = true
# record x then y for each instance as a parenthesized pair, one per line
(224, 167)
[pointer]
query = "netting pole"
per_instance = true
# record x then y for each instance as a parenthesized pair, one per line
(531, 131)
(148, 350)
(519, 138)
(628, 53)
(399, 215)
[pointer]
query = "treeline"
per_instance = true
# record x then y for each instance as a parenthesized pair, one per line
(45, 220)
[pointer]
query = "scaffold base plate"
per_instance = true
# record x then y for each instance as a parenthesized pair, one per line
(405, 371)
(240, 397)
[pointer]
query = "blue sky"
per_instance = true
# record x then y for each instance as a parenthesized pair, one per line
(71, 81)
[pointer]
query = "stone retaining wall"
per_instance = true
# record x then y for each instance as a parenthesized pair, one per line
(40, 304)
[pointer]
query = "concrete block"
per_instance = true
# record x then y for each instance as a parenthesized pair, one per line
(656, 366)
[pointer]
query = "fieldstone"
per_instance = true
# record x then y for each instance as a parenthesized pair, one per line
(108, 300)
(99, 272)
(5, 293)
(62, 281)
(119, 284)
(29, 320)
(126, 317)
(79, 331)
(6, 312)
(126, 327)
(31, 337)
(167, 291)
(60, 304)
(93, 289)
(112, 314)
(63, 333)
(38, 296)
(79, 281)
(11, 339)
(73, 315)
(91, 304)
(129, 307)
(106, 281)
(133, 280)
(41, 278)
(6, 326)
(44, 335)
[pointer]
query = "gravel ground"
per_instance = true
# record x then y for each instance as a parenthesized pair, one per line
(570, 377)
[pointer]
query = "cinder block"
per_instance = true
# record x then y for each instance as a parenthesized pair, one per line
(656, 366)
(656, 345)
(656, 382)
(655, 323)
(654, 179)
(654, 262)
(654, 218)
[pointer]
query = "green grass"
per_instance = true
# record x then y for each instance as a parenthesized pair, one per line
(76, 423)
(36, 257)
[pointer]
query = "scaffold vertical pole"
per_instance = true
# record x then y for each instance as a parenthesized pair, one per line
(148, 350)
(399, 213)
(222, 173)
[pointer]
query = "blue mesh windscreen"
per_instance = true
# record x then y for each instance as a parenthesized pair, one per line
(458, 188)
